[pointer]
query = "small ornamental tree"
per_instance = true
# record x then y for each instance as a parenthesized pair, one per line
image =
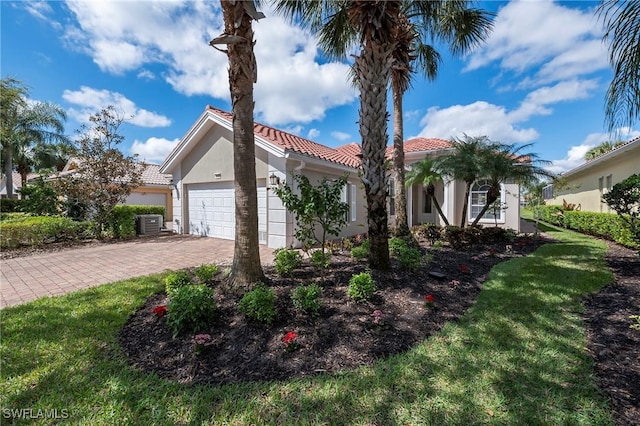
(318, 209)
(624, 198)
(104, 175)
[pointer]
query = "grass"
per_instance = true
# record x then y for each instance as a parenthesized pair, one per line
(517, 357)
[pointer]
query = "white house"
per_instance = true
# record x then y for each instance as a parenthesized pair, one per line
(203, 178)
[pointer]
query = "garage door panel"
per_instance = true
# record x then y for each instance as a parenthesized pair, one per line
(211, 211)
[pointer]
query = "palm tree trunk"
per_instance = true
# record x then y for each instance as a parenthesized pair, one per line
(402, 226)
(372, 71)
(431, 190)
(7, 168)
(246, 269)
(465, 205)
(492, 197)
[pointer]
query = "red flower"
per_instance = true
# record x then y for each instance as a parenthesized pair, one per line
(289, 338)
(160, 310)
(464, 269)
(430, 298)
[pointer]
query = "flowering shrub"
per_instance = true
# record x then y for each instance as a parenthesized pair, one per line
(464, 269)
(429, 300)
(289, 341)
(377, 316)
(200, 342)
(160, 311)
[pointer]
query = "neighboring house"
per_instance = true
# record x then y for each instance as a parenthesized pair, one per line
(17, 184)
(155, 191)
(585, 184)
(203, 175)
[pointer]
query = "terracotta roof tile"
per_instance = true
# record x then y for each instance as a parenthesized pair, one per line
(152, 176)
(290, 142)
(346, 154)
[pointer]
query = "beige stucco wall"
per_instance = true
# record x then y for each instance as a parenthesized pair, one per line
(211, 160)
(583, 187)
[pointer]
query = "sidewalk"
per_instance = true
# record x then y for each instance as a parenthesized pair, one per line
(23, 279)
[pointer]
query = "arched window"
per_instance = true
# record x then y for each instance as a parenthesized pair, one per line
(477, 199)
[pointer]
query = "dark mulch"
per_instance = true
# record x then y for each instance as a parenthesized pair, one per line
(343, 336)
(614, 346)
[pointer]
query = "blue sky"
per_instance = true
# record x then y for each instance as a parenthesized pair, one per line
(540, 78)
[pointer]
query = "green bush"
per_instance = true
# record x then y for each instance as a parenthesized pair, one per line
(259, 304)
(320, 259)
(409, 257)
(10, 205)
(305, 298)
(176, 280)
(361, 286)
(397, 244)
(455, 236)
(39, 230)
(286, 261)
(206, 272)
(605, 225)
(190, 308)
(361, 251)
(40, 198)
(14, 217)
(122, 221)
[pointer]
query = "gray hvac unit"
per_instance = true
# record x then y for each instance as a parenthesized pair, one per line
(148, 224)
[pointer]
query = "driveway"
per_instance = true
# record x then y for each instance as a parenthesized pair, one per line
(51, 274)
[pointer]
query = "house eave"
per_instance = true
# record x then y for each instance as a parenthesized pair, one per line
(635, 144)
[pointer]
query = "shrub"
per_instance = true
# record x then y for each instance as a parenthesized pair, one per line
(40, 198)
(409, 257)
(494, 234)
(190, 308)
(455, 236)
(361, 251)
(320, 259)
(38, 230)
(397, 244)
(428, 231)
(122, 220)
(176, 280)
(259, 304)
(10, 205)
(305, 298)
(286, 261)
(206, 272)
(361, 286)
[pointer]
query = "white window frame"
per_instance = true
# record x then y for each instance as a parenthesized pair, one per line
(471, 217)
(348, 196)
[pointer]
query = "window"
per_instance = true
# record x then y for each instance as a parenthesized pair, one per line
(426, 202)
(349, 196)
(392, 197)
(354, 193)
(609, 183)
(601, 189)
(478, 198)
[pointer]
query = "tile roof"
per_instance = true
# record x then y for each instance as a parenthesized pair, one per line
(290, 142)
(152, 176)
(347, 155)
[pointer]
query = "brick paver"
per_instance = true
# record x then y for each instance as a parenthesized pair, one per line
(50, 274)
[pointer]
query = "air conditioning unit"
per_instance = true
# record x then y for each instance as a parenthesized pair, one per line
(148, 224)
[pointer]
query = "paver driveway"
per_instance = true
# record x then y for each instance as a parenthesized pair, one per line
(51, 274)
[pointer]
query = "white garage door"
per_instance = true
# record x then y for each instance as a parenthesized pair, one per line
(211, 211)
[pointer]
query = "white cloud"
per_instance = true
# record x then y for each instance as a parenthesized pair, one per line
(91, 100)
(147, 75)
(562, 41)
(38, 9)
(476, 119)
(313, 134)
(153, 150)
(341, 136)
(575, 155)
(292, 85)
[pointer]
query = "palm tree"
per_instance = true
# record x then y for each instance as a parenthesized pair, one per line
(622, 34)
(424, 172)
(504, 163)
(238, 36)
(465, 164)
(373, 23)
(602, 149)
(453, 23)
(26, 127)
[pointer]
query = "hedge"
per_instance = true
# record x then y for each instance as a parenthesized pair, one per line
(606, 225)
(10, 205)
(122, 223)
(38, 230)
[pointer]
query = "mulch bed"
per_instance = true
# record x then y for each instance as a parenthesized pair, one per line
(344, 335)
(614, 346)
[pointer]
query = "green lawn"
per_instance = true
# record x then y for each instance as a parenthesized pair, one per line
(517, 357)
